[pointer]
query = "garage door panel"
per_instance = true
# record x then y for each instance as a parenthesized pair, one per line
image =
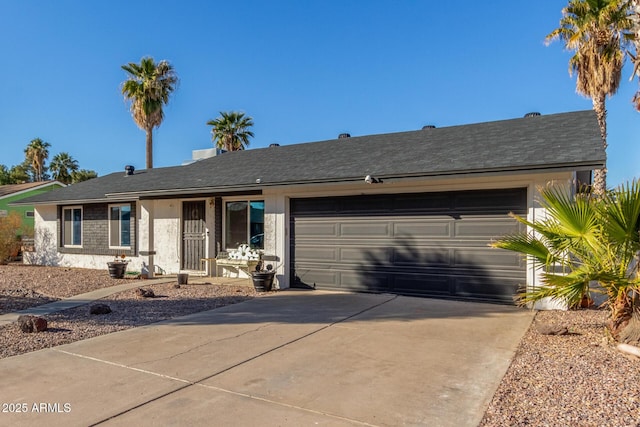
(364, 229)
(474, 228)
(316, 278)
(431, 244)
(488, 257)
(421, 257)
(431, 228)
(513, 200)
(372, 255)
(437, 202)
(316, 229)
(472, 287)
(316, 253)
(418, 283)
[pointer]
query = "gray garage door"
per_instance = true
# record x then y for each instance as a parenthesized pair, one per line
(428, 244)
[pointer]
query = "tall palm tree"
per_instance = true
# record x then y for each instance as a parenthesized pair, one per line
(62, 166)
(597, 31)
(83, 175)
(37, 153)
(231, 131)
(147, 88)
(635, 19)
(585, 240)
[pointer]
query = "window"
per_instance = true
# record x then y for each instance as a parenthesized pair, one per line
(29, 214)
(120, 226)
(72, 226)
(244, 224)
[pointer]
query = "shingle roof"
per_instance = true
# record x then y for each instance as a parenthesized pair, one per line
(9, 189)
(546, 142)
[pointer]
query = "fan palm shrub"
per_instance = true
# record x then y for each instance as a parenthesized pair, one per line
(586, 244)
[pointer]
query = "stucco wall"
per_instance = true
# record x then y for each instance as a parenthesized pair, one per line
(164, 218)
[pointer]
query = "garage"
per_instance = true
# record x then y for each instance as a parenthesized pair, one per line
(425, 244)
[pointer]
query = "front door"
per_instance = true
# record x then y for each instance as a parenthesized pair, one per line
(193, 235)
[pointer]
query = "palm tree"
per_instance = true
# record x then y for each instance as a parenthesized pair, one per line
(584, 240)
(635, 19)
(62, 166)
(83, 175)
(147, 88)
(231, 131)
(37, 153)
(597, 31)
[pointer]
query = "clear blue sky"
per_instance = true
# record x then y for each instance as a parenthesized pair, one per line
(304, 70)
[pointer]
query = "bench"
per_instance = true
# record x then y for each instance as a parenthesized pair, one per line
(223, 260)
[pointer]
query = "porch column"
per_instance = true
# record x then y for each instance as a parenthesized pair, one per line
(145, 236)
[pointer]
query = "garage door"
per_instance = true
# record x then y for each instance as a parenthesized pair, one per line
(427, 244)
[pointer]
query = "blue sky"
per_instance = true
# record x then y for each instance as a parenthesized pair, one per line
(304, 70)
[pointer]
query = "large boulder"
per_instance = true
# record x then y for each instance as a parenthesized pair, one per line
(145, 293)
(31, 324)
(551, 329)
(100, 309)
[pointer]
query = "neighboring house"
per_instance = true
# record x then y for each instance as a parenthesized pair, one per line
(409, 213)
(15, 192)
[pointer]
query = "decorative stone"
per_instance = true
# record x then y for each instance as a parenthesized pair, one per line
(176, 285)
(549, 329)
(145, 293)
(31, 324)
(100, 309)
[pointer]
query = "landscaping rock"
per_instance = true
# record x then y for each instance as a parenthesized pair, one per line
(31, 324)
(145, 293)
(100, 309)
(550, 329)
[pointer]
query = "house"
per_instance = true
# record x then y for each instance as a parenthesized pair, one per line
(409, 213)
(15, 192)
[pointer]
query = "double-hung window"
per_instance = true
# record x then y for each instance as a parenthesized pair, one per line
(120, 226)
(72, 226)
(244, 224)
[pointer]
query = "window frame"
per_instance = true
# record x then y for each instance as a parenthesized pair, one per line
(64, 244)
(248, 230)
(109, 222)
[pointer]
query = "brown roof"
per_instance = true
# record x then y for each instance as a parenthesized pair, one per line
(7, 190)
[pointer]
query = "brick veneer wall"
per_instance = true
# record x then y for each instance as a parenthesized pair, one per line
(95, 232)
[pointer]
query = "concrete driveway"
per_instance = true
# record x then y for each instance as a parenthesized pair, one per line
(289, 359)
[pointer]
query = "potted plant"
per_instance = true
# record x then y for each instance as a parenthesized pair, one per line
(117, 267)
(263, 279)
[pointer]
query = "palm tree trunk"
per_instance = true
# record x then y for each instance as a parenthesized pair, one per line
(600, 175)
(150, 148)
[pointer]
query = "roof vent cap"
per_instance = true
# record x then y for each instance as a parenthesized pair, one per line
(532, 114)
(129, 169)
(275, 144)
(344, 135)
(428, 127)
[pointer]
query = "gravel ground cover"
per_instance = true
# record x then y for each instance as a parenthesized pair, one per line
(24, 286)
(578, 379)
(128, 309)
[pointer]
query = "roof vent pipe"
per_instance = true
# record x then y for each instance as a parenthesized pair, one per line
(129, 170)
(428, 127)
(275, 144)
(344, 135)
(532, 114)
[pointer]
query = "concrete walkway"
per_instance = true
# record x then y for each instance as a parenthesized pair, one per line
(290, 359)
(89, 297)
(78, 300)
